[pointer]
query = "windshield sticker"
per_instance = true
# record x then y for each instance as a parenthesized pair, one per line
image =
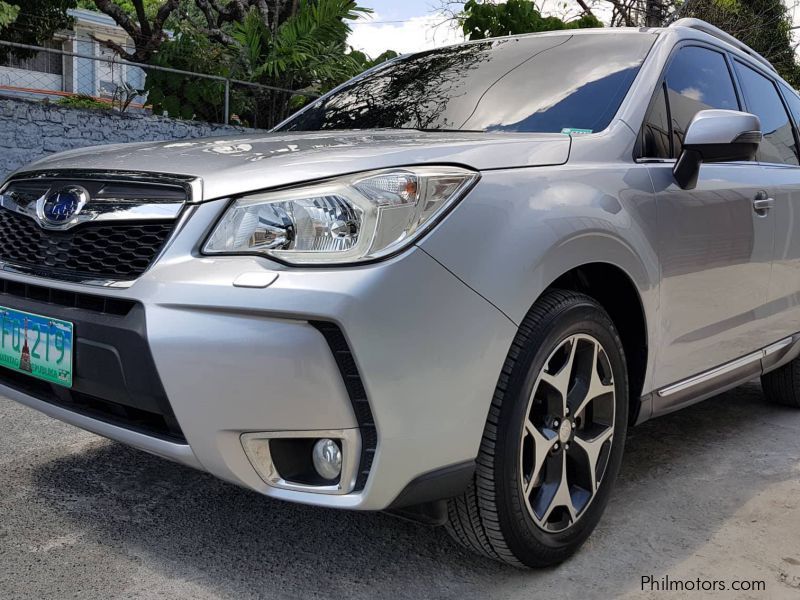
(575, 131)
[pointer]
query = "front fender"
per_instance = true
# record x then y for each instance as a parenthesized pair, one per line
(521, 229)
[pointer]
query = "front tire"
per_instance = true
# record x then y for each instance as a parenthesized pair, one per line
(554, 438)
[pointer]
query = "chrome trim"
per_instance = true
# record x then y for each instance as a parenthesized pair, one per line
(778, 346)
(192, 185)
(39, 206)
(48, 279)
(256, 447)
(724, 369)
(95, 211)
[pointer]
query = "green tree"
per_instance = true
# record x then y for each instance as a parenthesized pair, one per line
(189, 97)
(306, 48)
(27, 22)
(150, 6)
(307, 52)
(145, 21)
(8, 13)
(481, 20)
(290, 44)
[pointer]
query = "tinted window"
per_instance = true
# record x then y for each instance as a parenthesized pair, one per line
(697, 79)
(793, 101)
(540, 83)
(763, 100)
(655, 130)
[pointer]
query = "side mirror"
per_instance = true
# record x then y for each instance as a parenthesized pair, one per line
(716, 136)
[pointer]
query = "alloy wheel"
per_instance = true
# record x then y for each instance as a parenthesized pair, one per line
(568, 433)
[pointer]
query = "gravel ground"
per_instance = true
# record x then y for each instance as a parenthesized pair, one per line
(710, 492)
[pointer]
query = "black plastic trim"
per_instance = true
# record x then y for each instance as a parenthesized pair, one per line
(439, 484)
(91, 302)
(357, 393)
(114, 374)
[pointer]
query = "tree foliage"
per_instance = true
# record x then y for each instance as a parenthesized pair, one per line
(293, 44)
(150, 6)
(33, 22)
(481, 20)
(144, 21)
(307, 51)
(307, 48)
(189, 97)
(8, 13)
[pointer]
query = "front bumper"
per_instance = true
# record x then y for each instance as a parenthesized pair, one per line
(234, 360)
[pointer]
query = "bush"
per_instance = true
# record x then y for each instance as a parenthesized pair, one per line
(184, 96)
(83, 101)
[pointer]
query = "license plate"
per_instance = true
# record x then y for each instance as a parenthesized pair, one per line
(36, 345)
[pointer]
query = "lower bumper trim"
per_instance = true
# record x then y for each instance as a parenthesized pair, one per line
(180, 453)
(439, 484)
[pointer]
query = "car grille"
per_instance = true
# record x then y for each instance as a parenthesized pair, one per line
(94, 250)
(113, 249)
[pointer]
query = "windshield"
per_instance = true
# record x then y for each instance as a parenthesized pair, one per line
(552, 83)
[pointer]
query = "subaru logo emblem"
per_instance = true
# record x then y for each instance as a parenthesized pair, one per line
(61, 206)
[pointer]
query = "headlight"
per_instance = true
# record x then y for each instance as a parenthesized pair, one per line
(351, 219)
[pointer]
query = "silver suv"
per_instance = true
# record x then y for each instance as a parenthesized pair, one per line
(446, 289)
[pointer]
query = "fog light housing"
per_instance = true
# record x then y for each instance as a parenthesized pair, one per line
(321, 461)
(327, 457)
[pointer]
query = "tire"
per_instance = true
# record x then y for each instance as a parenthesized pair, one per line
(493, 517)
(782, 386)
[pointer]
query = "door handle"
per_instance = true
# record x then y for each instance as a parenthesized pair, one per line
(762, 203)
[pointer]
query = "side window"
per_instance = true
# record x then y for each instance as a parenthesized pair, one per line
(697, 79)
(655, 130)
(793, 100)
(762, 99)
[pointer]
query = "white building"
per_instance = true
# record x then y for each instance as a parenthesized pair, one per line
(55, 75)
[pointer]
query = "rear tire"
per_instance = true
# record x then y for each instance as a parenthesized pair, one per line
(554, 438)
(782, 386)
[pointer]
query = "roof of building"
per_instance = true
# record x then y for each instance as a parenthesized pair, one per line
(91, 16)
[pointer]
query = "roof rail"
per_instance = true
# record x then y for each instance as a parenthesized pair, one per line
(710, 29)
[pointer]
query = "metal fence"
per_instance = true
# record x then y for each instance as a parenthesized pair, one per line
(95, 77)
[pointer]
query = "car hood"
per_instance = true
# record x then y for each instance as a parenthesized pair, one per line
(233, 165)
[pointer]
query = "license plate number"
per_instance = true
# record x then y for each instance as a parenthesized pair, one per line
(36, 345)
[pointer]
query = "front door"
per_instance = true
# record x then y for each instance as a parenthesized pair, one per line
(715, 249)
(715, 252)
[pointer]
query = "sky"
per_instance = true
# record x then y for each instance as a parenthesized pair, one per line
(403, 26)
(413, 25)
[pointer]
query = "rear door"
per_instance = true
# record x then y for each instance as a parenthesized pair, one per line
(715, 250)
(784, 289)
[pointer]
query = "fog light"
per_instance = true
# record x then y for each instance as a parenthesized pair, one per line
(327, 458)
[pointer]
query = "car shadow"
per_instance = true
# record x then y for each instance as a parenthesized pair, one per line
(684, 475)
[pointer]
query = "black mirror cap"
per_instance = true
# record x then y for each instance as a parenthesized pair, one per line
(687, 167)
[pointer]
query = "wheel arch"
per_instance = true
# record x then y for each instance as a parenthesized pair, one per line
(619, 296)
